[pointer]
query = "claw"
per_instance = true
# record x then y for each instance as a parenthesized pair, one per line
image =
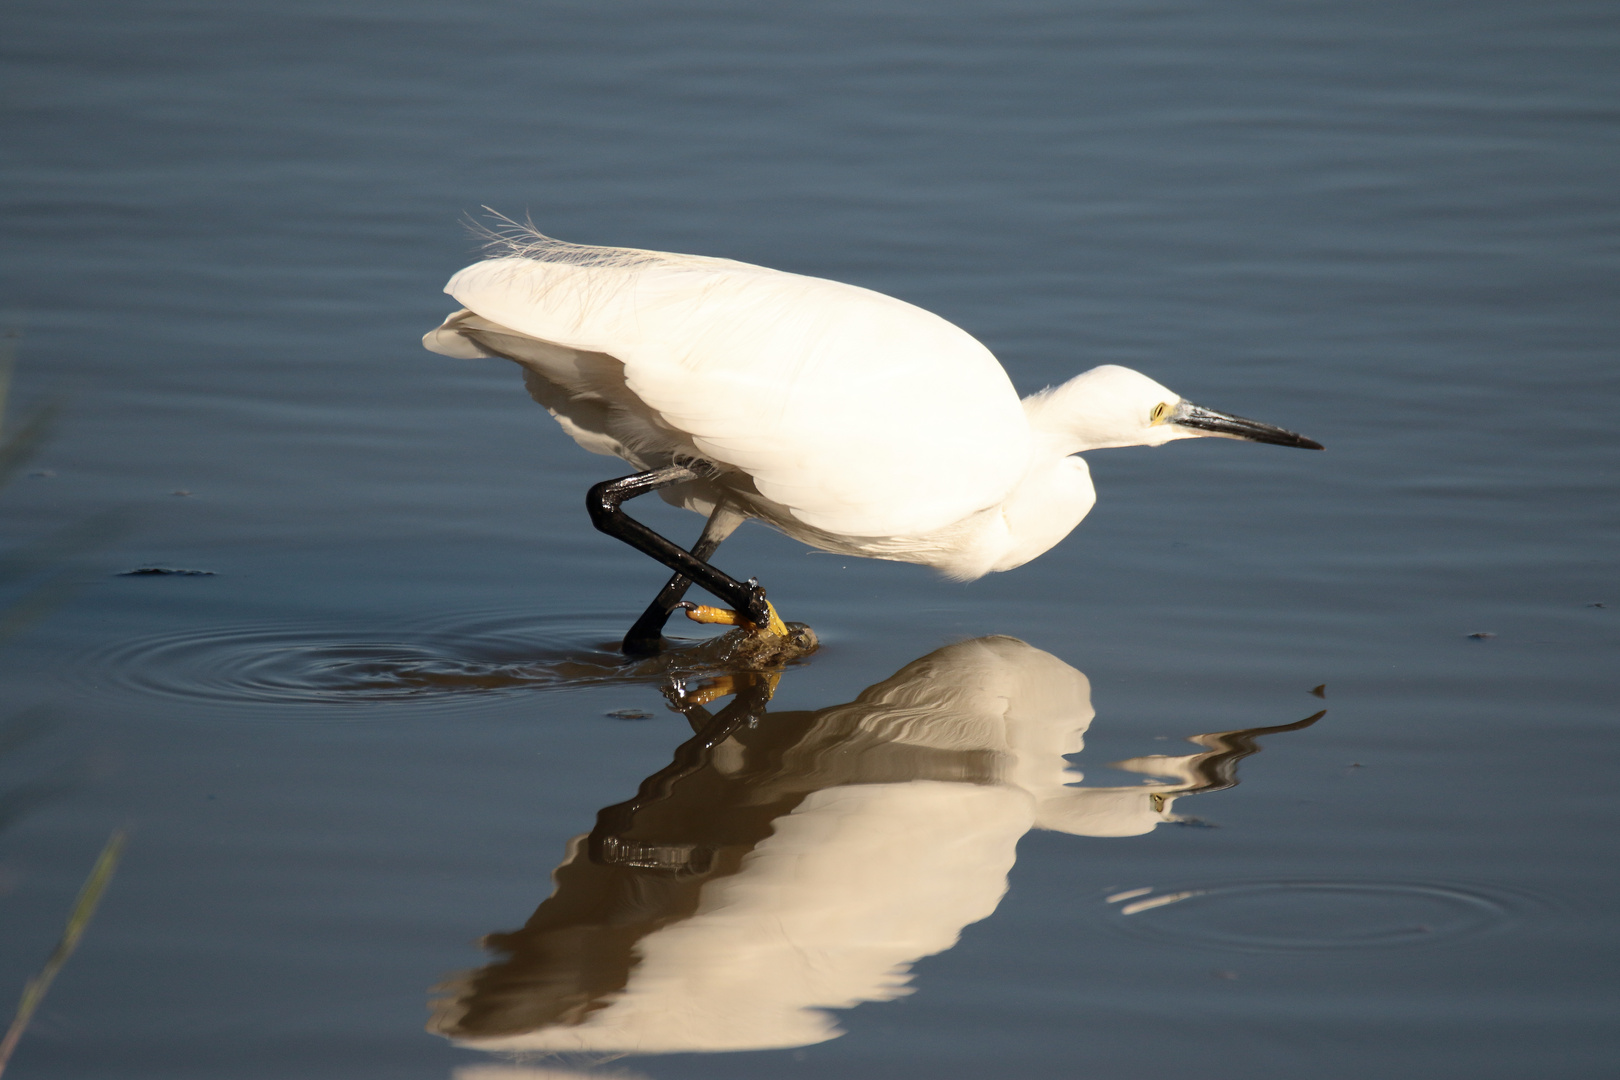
(726, 617)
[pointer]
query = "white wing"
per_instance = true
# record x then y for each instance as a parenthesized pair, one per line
(861, 414)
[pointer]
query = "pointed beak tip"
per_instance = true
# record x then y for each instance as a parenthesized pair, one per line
(1209, 422)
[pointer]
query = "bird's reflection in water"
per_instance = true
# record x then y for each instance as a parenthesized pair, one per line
(788, 864)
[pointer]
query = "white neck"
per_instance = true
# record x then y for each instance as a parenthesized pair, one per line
(1105, 407)
(1053, 497)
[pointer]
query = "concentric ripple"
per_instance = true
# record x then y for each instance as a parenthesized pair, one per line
(1311, 915)
(450, 663)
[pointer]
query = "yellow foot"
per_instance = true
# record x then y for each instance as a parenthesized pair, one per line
(725, 685)
(726, 617)
(712, 690)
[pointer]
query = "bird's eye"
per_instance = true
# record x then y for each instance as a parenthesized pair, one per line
(1160, 411)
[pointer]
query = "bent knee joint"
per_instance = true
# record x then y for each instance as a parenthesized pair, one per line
(602, 503)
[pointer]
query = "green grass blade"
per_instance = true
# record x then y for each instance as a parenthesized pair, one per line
(84, 908)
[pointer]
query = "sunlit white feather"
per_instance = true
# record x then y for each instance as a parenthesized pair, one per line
(851, 420)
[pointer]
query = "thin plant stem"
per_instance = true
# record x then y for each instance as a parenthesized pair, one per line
(84, 909)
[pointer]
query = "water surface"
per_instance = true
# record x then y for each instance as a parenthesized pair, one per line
(391, 712)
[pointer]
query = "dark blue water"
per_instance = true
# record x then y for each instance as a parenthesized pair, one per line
(369, 737)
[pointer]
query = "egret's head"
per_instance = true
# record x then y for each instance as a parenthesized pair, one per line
(1115, 406)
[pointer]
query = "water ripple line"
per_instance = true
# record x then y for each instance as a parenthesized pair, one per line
(1315, 915)
(448, 662)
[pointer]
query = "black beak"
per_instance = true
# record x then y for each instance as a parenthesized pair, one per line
(1188, 415)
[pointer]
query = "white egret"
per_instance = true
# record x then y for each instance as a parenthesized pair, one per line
(850, 420)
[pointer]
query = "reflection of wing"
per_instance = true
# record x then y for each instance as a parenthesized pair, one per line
(804, 866)
(829, 911)
(741, 366)
(826, 912)
(801, 863)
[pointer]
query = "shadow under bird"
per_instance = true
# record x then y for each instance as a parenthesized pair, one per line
(852, 421)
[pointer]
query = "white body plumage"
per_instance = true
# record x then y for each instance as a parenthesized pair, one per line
(850, 420)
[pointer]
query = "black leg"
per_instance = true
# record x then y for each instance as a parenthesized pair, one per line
(614, 841)
(647, 634)
(603, 503)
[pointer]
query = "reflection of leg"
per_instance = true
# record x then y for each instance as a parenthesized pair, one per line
(617, 839)
(603, 502)
(644, 637)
